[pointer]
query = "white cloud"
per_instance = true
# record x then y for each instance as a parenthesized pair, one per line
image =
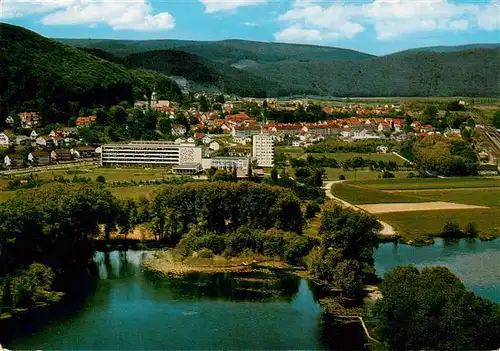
(390, 18)
(118, 14)
(212, 6)
(250, 24)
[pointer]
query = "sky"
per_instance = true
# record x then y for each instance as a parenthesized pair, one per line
(374, 26)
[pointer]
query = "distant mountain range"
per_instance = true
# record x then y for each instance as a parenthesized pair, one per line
(244, 68)
(277, 69)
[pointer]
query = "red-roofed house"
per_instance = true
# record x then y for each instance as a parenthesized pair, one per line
(85, 121)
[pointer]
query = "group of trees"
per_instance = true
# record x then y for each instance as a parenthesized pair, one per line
(430, 309)
(46, 238)
(273, 242)
(444, 156)
(332, 145)
(344, 257)
(220, 207)
(352, 163)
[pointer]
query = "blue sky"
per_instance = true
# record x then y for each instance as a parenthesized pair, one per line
(374, 26)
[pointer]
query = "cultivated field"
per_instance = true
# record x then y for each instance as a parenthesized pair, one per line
(421, 207)
(416, 225)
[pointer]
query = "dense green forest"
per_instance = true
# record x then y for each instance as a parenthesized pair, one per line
(41, 74)
(204, 73)
(465, 73)
(287, 69)
(226, 51)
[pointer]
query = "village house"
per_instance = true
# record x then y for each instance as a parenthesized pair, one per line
(14, 161)
(33, 135)
(242, 139)
(41, 141)
(29, 119)
(296, 143)
(179, 141)
(206, 140)
(85, 151)
(69, 131)
(85, 121)
(246, 130)
(214, 146)
(4, 140)
(22, 140)
(178, 129)
(39, 158)
(191, 140)
(9, 120)
(61, 155)
(488, 169)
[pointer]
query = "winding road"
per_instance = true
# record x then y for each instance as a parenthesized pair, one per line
(387, 229)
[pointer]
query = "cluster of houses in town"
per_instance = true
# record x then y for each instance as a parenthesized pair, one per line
(60, 145)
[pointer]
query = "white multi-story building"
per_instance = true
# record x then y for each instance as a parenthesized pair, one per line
(150, 153)
(263, 150)
(227, 162)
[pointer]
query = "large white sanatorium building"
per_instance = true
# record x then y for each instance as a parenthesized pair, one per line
(263, 150)
(150, 153)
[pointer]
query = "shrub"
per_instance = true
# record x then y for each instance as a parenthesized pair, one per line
(451, 230)
(205, 253)
(100, 179)
(471, 230)
(342, 177)
(388, 175)
(311, 209)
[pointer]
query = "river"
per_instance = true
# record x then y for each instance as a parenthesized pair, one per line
(131, 310)
(477, 263)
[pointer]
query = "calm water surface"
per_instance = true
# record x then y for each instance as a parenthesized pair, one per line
(476, 263)
(130, 310)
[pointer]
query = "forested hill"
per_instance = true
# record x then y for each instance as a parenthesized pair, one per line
(457, 47)
(229, 52)
(465, 73)
(41, 74)
(254, 68)
(204, 74)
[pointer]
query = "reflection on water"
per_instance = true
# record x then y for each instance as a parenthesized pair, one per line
(131, 310)
(476, 263)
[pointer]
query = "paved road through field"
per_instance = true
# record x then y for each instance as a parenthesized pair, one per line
(387, 229)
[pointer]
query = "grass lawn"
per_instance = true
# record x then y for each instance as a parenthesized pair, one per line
(417, 225)
(134, 192)
(360, 196)
(5, 195)
(3, 183)
(334, 173)
(340, 156)
(480, 196)
(429, 183)
(110, 174)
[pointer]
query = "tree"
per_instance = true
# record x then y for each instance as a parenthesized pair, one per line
(451, 230)
(165, 125)
(347, 276)
(100, 179)
(471, 230)
(496, 120)
(311, 209)
(274, 176)
(430, 309)
(318, 177)
(204, 104)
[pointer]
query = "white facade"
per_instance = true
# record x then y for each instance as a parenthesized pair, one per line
(228, 163)
(150, 153)
(4, 140)
(263, 150)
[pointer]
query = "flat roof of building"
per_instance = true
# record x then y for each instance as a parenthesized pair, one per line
(189, 165)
